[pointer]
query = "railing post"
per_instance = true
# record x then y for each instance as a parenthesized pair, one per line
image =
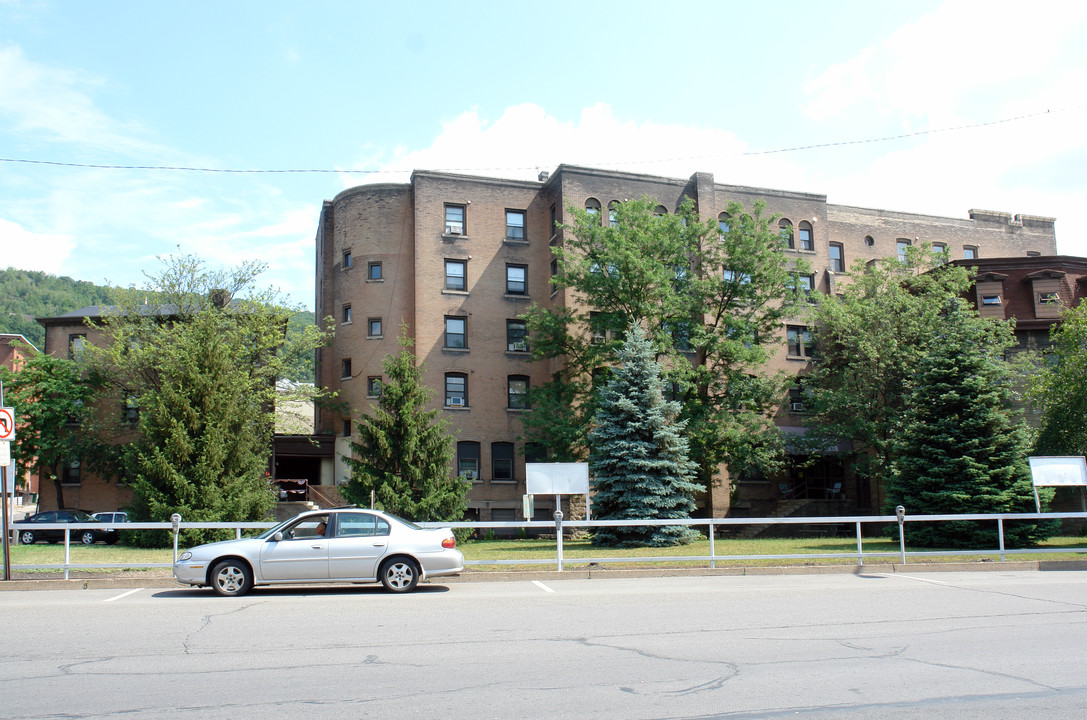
(713, 555)
(1000, 534)
(860, 548)
(901, 513)
(67, 551)
(558, 537)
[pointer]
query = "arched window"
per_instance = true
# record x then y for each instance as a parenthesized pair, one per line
(869, 241)
(785, 230)
(613, 213)
(805, 233)
(723, 221)
(660, 211)
(592, 206)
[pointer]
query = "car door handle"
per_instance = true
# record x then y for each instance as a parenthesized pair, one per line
(379, 544)
(317, 547)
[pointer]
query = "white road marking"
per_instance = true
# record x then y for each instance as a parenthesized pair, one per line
(543, 587)
(913, 577)
(122, 595)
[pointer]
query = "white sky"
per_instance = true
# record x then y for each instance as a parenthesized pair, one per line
(497, 88)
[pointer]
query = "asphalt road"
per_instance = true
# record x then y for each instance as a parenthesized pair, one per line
(931, 645)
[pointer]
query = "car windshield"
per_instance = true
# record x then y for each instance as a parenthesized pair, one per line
(402, 521)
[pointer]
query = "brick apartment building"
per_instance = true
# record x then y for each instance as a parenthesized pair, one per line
(456, 259)
(15, 350)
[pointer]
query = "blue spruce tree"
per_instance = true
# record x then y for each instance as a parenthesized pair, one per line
(638, 457)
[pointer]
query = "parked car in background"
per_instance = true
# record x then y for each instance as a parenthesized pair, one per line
(30, 533)
(340, 545)
(116, 516)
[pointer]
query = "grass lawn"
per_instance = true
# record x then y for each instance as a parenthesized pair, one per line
(578, 553)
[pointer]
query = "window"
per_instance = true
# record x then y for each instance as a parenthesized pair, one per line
(502, 461)
(554, 221)
(732, 276)
(592, 206)
(72, 472)
(130, 410)
(345, 369)
(346, 259)
(869, 241)
(785, 231)
(660, 211)
(799, 341)
(361, 525)
(456, 390)
(346, 320)
(554, 267)
(346, 428)
(455, 275)
(373, 271)
(373, 327)
(468, 460)
(76, 344)
(990, 299)
(1049, 298)
(373, 386)
(723, 225)
(680, 332)
(516, 336)
(454, 220)
(969, 252)
(797, 395)
(805, 284)
(837, 257)
(613, 213)
(902, 244)
(517, 392)
(455, 331)
(805, 234)
(515, 280)
(515, 225)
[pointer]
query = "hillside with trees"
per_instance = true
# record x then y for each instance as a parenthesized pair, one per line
(29, 294)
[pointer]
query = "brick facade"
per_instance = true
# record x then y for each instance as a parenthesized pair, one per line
(408, 230)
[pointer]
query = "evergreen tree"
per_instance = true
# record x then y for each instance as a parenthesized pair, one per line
(194, 358)
(638, 457)
(404, 452)
(960, 447)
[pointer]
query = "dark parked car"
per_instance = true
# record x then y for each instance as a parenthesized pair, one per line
(29, 534)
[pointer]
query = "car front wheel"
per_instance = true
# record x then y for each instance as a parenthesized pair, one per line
(400, 575)
(87, 537)
(26, 537)
(231, 578)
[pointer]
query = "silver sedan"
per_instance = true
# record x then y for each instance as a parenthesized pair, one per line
(342, 545)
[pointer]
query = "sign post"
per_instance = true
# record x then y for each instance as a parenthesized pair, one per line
(7, 434)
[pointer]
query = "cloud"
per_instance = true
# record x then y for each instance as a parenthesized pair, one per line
(49, 104)
(31, 250)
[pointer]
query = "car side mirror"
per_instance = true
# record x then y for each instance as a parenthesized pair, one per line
(278, 536)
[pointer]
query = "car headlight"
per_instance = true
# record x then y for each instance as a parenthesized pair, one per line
(187, 555)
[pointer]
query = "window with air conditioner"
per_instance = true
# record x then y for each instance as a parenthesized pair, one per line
(454, 220)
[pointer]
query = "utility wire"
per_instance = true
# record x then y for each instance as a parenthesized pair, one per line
(750, 153)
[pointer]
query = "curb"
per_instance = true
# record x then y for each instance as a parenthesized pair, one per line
(124, 583)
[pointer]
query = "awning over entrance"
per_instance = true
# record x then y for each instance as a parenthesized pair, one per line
(793, 446)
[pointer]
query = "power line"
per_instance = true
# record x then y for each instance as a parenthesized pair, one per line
(750, 153)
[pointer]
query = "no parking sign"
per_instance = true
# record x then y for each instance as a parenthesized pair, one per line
(7, 424)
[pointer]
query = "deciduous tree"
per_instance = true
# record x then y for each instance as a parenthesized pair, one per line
(1060, 390)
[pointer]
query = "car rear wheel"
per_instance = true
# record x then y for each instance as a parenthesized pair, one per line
(87, 537)
(231, 578)
(400, 575)
(26, 537)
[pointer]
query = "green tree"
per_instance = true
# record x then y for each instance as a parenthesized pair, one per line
(712, 297)
(194, 357)
(29, 294)
(1060, 390)
(639, 461)
(870, 339)
(404, 451)
(960, 448)
(52, 399)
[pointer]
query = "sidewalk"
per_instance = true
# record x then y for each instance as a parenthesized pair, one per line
(162, 577)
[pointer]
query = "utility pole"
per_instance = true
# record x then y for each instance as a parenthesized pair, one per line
(7, 433)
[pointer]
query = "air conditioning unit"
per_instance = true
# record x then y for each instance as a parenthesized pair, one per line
(796, 406)
(456, 402)
(454, 229)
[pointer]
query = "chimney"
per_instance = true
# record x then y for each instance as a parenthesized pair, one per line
(543, 175)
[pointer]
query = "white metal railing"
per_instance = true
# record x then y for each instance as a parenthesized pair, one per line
(559, 527)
